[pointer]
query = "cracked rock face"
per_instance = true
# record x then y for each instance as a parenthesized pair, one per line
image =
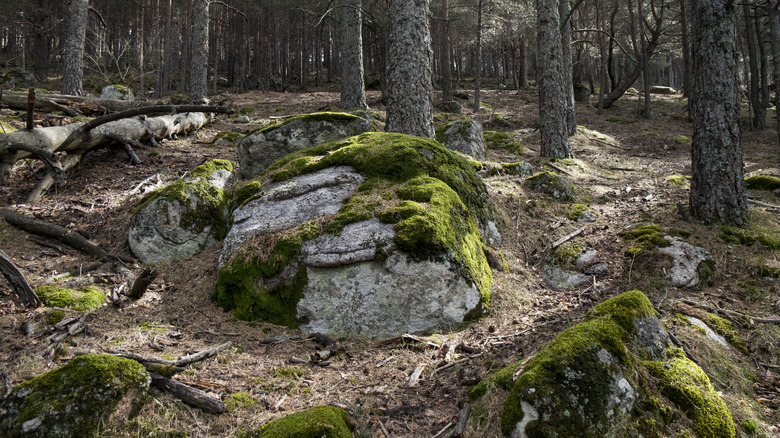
(182, 219)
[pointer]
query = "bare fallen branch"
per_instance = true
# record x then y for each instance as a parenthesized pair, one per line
(189, 395)
(731, 313)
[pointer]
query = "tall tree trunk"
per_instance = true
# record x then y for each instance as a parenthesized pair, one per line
(566, 66)
(647, 112)
(553, 123)
(409, 88)
(611, 51)
(199, 58)
(717, 186)
(74, 48)
(353, 88)
(446, 64)
(141, 37)
(478, 64)
(754, 92)
(774, 30)
(686, 50)
(522, 66)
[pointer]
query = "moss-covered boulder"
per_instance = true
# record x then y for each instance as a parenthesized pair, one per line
(316, 422)
(78, 399)
(117, 92)
(374, 235)
(552, 185)
(613, 375)
(181, 219)
(84, 299)
(258, 150)
(17, 78)
(464, 136)
(762, 182)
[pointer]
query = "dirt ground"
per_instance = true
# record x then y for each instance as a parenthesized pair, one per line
(622, 172)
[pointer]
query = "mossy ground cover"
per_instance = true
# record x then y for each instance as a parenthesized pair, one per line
(431, 195)
(84, 299)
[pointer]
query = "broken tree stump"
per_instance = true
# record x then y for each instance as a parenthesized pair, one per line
(19, 284)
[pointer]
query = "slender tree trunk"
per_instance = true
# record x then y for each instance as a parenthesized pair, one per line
(717, 186)
(553, 123)
(566, 67)
(759, 111)
(686, 50)
(647, 112)
(611, 51)
(353, 88)
(478, 64)
(74, 48)
(774, 29)
(141, 36)
(409, 88)
(522, 66)
(446, 64)
(199, 59)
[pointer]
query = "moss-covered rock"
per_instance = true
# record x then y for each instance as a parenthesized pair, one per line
(78, 399)
(183, 218)
(370, 205)
(464, 136)
(613, 375)
(762, 182)
(552, 185)
(316, 422)
(117, 92)
(263, 147)
(84, 299)
(17, 78)
(503, 141)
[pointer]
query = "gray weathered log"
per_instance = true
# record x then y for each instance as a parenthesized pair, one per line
(188, 394)
(19, 284)
(54, 102)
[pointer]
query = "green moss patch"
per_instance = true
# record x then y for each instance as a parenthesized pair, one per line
(576, 210)
(335, 117)
(228, 136)
(84, 299)
(622, 120)
(645, 238)
(76, 399)
(762, 182)
(503, 141)
(239, 400)
(681, 139)
(679, 180)
(686, 385)
(747, 237)
(316, 422)
(54, 316)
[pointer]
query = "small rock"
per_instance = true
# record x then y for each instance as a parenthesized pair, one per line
(689, 263)
(588, 216)
(116, 92)
(242, 119)
(586, 257)
(521, 169)
(597, 269)
(550, 184)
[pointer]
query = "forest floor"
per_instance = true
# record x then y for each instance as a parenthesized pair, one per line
(628, 172)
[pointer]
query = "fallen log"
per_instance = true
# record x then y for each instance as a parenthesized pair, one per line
(77, 138)
(55, 102)
(188, 394)
(19, 284)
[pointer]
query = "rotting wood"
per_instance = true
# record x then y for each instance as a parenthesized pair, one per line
(70, 161)
(180, 362)
(19, 284)
(732, 313)
(142, 283)
(30, 108)
(463, 421)
(53, 102)
(415, 377)
(189, 395)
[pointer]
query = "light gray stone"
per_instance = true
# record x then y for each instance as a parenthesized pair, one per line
(562, 279)
(167, 229)
(587, 216)
(520, 169)
(290, 203)
(358, 242)
(552, 185)
(243, 118)
(464, 136)
(712, 334)
(256, 152)
(116, 92)
(596, 269)
(586, 257)
(686, 259)
(385, 298)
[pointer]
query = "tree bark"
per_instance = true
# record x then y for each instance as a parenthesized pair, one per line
(74, 48)
(353, 88)
(774, 29)
(189, 395)
(686, 50)
(409, 88)
(446, 64)
(754, 90)
(553, 123)
(566, 67)
(717, 186)
(199, 59)
(478, 67)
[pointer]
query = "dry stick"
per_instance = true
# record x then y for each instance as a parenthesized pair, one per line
(65, 109)
(463, 420)
(189, 395)
(567, 237)
(444, 430)
(19, 284)
(186, 360)
(768, 365)
(383, 429)
(767, 206)
(731, 312)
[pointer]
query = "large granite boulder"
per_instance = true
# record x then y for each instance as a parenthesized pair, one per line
(374, 235)
(183, 218)
(613, 375)
(262, 148)
(464, 136)
(117, 92)
(78, 399)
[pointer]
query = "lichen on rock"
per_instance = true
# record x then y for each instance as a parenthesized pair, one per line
(78, 399)
(184, 217)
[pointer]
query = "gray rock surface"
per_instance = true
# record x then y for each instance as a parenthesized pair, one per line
(17, 78)
(116, 92)
(562, 279)
(520, 169)
(687, 262)
(464, 136)
(659, 89)
(552, 185)
(183, 218)
(358, 242)
(290, 203)
(259, 150)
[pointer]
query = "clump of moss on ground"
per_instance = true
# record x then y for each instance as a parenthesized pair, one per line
(747, 237)
(645, 238)
(229, 136)
(84, 299)
(433, 197)
(239, 400)
(762, 182)
(576, 210)
(316, 422)
(504, 141)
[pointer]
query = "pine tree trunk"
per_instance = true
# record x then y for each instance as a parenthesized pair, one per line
(478, 64)
(553, 123)
(774, 29)
(409, 88)
(353, 88)
(200, 51)
(446, 64)
(717, 187)
(74, 48)
(754, 90)
(566, 67)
